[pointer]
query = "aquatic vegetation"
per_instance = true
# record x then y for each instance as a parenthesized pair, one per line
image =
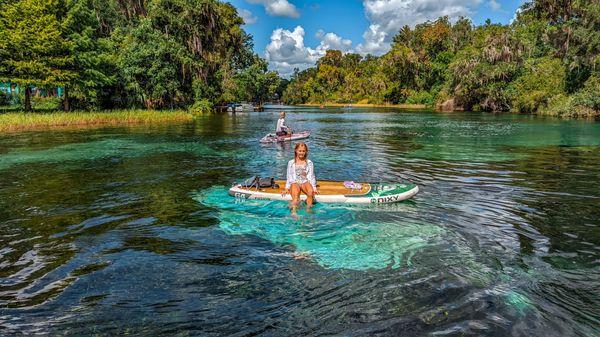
(457, 152)
(449, 140)
(518, 301)
(102, 149)
(332, 235)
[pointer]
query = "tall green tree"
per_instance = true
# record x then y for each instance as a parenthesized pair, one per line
(212, 35)
(91, 64)
(33, 47)
(180, 51)
(252, 84)
(150, 64)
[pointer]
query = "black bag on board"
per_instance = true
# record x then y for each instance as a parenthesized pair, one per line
(250, 182)
(267, 182)
(258, 182)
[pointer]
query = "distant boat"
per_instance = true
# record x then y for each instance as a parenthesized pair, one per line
(240, 107)
(247, 107)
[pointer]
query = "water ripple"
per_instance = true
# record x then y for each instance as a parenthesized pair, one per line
(130, 230)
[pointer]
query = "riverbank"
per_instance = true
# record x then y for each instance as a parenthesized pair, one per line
(367, 105)
(565, 112)
(17, 121)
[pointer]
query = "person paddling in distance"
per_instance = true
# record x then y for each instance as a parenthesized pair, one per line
(300, 178)
(282, 129)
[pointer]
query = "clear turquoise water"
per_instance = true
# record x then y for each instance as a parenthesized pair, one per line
(131, 231)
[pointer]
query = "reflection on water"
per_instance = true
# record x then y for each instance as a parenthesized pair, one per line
(131, 231)
(102, 149)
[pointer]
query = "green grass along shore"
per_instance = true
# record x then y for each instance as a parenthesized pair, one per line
(17, 121)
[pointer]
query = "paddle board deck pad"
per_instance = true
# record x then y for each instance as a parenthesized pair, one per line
(272, 138)
(335, 192)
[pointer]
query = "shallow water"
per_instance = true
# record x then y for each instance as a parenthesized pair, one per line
(129, 230)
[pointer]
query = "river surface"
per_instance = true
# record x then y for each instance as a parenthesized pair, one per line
(129, 230)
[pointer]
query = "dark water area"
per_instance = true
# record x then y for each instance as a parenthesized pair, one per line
(129, 230)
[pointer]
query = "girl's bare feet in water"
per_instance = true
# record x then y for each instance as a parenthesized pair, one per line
(294, 212)
(301, 255)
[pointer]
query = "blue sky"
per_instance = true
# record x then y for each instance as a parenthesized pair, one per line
(295, 33)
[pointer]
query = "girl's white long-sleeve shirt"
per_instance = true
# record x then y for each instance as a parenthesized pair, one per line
(292, 174)
(280, 125)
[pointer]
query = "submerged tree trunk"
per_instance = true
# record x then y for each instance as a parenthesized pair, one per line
(27, 97)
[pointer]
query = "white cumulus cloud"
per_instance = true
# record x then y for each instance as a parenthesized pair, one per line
(375, 41)
(247, 15)
(278, 7)
(287, 51)
(388, 16)
(332, 41)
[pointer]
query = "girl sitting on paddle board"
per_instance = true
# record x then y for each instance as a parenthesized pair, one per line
(282, 129)
(300, 177)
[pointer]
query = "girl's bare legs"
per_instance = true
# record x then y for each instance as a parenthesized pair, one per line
(295, 192)
(310, 194)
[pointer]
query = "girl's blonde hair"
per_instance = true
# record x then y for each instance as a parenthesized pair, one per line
(282, 114)
(296, 149)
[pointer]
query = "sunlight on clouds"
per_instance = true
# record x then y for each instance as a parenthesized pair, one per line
(332, 41)
(278, 7)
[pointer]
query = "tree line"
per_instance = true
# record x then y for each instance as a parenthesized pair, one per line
(546, 61)
(129, 53)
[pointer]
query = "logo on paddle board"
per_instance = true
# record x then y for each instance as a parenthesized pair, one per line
(383, 200)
